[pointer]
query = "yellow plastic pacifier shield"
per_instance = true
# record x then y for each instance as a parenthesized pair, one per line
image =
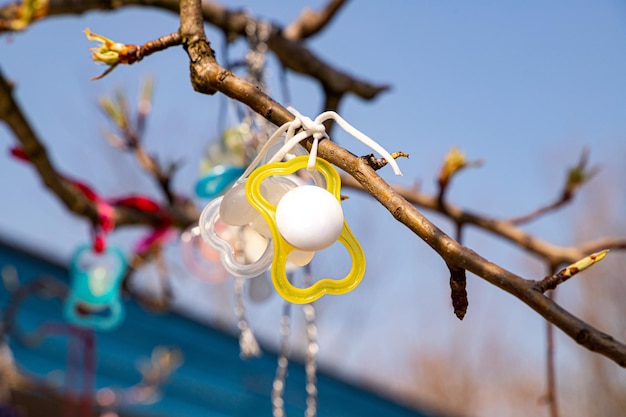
(282, 248)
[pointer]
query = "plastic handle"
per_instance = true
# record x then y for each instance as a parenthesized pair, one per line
(282, 248)
(111, 320)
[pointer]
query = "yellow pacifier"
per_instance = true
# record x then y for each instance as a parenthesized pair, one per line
(306, 219)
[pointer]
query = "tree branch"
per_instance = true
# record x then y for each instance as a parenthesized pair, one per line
(311, 22)
(208, 76)
(576, 177)
(549, 252)
(293, 55)
(181, 213)
(130, 137)
(12, 115)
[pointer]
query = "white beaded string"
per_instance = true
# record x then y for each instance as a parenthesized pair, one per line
(310, 365)
(248, 345)
(278, 386)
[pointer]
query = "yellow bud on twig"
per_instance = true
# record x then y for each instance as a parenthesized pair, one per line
(583, 264)
(552, 281)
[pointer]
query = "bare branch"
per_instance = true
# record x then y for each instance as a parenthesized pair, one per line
(311, 22)
(293, 55)
(551, 397)
(549, 252)
(576, 177)
(208, 76)
(12, 115)
(540, 211)
(130, 136)
(604, 243)
(331, 103)
(182, 213)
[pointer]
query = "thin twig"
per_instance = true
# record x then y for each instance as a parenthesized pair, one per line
(551, 397)
(539, 212)
(544, 250)
(131, 137)
(331, 102)
(311, 22)
(114, 53)
(551, 390)
(293, 55)
(576, 177)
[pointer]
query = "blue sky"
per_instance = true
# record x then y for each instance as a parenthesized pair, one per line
(525, 86)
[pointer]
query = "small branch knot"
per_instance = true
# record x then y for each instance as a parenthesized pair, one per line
(378, 163)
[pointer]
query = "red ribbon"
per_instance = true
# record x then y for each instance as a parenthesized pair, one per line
(19, 153)
(106, 212)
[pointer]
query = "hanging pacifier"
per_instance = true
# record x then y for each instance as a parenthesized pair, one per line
(94, 298)
(224, 162)
(230, 225)
(305, 220)
(201, 259)
(265, 200)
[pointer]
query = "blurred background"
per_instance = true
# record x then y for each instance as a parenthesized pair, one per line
(524, 87)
